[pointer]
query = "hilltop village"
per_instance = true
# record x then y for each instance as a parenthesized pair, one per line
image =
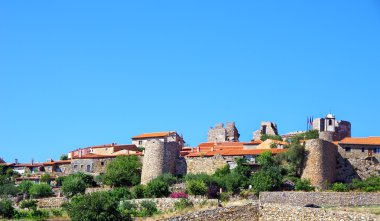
(334, 156)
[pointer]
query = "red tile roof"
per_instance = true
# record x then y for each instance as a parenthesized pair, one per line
(361, 140)
(235, 152)
(150, 135)
(57, 162)
(96, 156)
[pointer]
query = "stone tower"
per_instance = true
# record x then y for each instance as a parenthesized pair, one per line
(269, 128)
(340, 128)
(224, 134)
(320, 165)
(159, 158)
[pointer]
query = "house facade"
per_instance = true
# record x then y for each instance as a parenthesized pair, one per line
(170, 136)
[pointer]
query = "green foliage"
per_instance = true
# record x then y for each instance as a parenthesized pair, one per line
(371, 184)
(123, 171)
(182, 204)
(28, 204)
(303, 185)
(4, 179)
(98, 206)
(45, 178)
(59, 180)
(157, 188)
(207, 179)
(73, 185)
(339, 187)
(266, 161)
(40, 190)
(224, 171)
(147, 208)
(9, 190)
(87, 179)
(64, 157)
(311, 134)
(25, 186)
(233, 182)
(167, 178)
(294, 159)
(265, 137)
(242, 168)
(99, 179)
(196, 187)
(121, 193)
(6, 209)
(138, 191)
(225, 196)
(266, 180)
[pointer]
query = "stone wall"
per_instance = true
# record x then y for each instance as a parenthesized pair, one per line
(205, 165)
(269, 128)
(321, 198)
(222, 134)
(320, 163)
(245, 212)
(52, 202)
(286, 212)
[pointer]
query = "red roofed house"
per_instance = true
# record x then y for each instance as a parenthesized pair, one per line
(169, 136)
(368, 145)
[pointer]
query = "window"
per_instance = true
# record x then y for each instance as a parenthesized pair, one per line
(81, 166)
(348, 149)
(330, 122)
(376, 150)
(140, 142)
(88, 168)
(363, 150)
(75, 167)
(102, 163)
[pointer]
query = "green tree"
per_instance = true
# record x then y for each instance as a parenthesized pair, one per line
(266, 180)
(121, 193)
(265, 137)
(303, 185)
(242, 168)
(45, 178)
(40, 190)
(138, 191)
(64, 157)
(28, 204)
(9, 190)
(196, 187)
(6, 208)
(295, 159)
(339, 187)
(99, 206)
(156, 189)
(123, 171)
(221, 172)
(25, 186)
(73, 185)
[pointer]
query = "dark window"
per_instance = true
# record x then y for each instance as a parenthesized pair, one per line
(264, 131)
(330, 122)
(88, 168)
(140, 142)
(363, 149)
(81, 166)
(102, 163)
(75, 167)
(348, 149)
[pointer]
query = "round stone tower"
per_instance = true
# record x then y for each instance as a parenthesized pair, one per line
(326, 135)
(153, 163)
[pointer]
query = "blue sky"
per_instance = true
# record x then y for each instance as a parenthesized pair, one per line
(81, 73)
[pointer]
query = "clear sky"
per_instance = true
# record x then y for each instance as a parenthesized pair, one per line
(81, 73)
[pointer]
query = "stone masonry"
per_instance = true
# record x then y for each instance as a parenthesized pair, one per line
(205, 165)
(269, 128)
(219, 133)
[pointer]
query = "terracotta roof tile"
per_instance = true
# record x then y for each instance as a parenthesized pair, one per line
(155, 134)
(57, 162)
(235, 152)
(361, 140)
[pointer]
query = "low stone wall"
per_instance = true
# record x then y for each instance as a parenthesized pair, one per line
(321, 198)
(245, 212)
(205, 164)
(167, 204)
(53, 202)
(288, 212)
(97, 189)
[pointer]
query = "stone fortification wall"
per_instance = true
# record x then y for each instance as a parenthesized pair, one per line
(321, 198)
(171, 150)
(222, 134)
(245, 212)
(52, 202)
(167, 204)
(320, 163)
(205, 164)
(286, 212)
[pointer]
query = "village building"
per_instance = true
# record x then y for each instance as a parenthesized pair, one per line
(368, 145)
(170, 136)
(60, 167)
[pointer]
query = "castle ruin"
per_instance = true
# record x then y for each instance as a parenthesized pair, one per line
(223, 134)
(269, 128)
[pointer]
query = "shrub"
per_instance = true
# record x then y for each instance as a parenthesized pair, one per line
(178, 195)
(207, 179)
(157, 188)
(196, 187)
(25, 186)
(182, 204)
(303, 185)
(266, 180)
(28, 204)
(167, 178)
(147, 208)
(73, 185)
(59, 180)
(40, 190)
(123, 171)
(6, 209)
(57, 212)
(213, 191)
(121, 193)
(225, 196)
(45, 178)
(9, 190)
(339, 187)
(221, 172)
(98, 206)
(87, 179)
(138, 191)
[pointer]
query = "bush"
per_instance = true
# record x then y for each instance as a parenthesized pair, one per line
(167, 178)
(73, 185)
(45, 178)
(224, 171)
(9, 190)
(196, 187)
(303, 185)
(225, 196)
(87, 179)
(178, 195)
(266, 180)
(157, 188)
(98, 206)
(339, 187)
(121, 193)
(25, 186)
(59, 180)
(28, 204)
(138, 191)
(147, 208)
(182, 204)
(207, 179)
(6, 209)
(123, 171)
(40, 190)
